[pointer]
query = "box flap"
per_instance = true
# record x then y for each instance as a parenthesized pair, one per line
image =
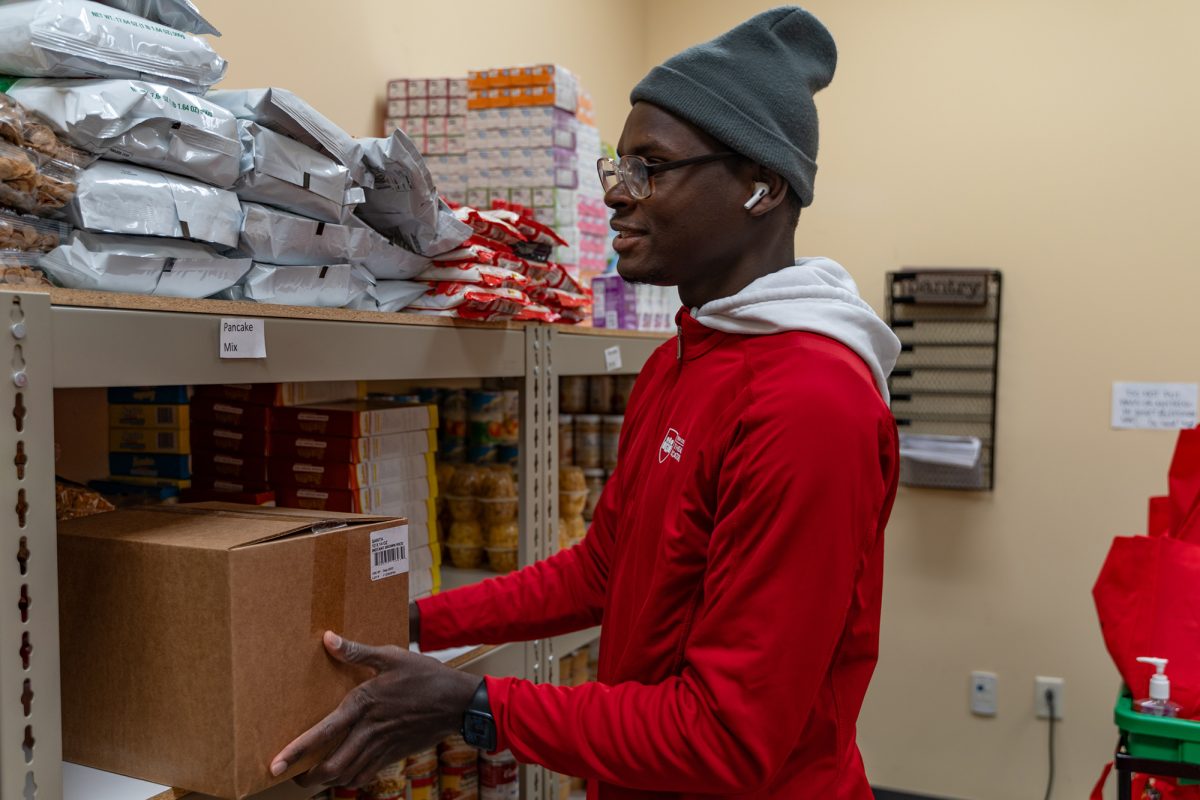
(207, 525)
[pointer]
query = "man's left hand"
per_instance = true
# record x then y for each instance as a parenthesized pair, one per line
(412, 703)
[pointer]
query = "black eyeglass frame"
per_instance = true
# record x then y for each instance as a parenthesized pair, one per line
(607, 166)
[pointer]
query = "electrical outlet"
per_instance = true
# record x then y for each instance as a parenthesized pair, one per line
(983, 693)
(1055, 686)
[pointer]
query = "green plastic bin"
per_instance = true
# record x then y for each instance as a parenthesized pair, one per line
(1158, 738)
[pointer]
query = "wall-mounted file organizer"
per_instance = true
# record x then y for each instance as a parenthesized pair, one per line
(944, 384)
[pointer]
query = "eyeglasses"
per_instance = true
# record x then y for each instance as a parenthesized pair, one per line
(635, 173)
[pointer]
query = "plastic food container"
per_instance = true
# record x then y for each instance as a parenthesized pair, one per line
(499, 509)
(462, 509)
(573, 396)
(566, 439)
(596, 479)
(502, 559)
(588, 441)
(601, 389)
(610, 441)
(573, 503)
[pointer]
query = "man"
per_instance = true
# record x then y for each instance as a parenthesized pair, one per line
(736, 556)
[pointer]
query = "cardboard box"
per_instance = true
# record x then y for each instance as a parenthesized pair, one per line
(214, 439)
(365, 500)
(280, 394)
(354, 418)
(286, 472)
(146, 415)
(192, 635)
(343, 449)
(149, 394)
(230, 467)
(150, 465)
(134, 440)
(231, 414)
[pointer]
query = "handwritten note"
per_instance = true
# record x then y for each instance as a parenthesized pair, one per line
(1154, 406)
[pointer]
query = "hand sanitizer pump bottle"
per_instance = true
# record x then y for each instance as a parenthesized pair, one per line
(1159, 703)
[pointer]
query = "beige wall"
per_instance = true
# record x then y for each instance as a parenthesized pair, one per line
(1057, 142)
(1053, 140)
(339, 56)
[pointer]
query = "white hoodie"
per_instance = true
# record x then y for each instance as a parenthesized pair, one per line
(816, 295)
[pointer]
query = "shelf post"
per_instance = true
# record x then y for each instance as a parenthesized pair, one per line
(30, 700)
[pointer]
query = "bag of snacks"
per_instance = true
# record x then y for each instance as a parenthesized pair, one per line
(496, 225)
(481, 274)
(390, 296)
(283, 112)
(329, 286)
(82, 39)
(282, 172)
(21, 270)
(30, 234)
(272, 236)
(475, 250)
(403, 204)
(383, 259)
(178, 14)
(471, 302)
(150, 124)
(122, 198)
(141, 265)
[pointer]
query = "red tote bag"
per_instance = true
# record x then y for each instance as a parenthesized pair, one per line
(1148, 592)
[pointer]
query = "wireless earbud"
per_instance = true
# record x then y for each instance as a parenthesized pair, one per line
(760, 191)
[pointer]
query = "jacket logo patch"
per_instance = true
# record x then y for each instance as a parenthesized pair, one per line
(672, 447)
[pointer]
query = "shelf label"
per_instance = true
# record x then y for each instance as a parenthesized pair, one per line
(612, 358)
(1154, 406)
(243, 338)
(389, 552)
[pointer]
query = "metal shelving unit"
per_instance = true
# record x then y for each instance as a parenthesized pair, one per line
(72, 339)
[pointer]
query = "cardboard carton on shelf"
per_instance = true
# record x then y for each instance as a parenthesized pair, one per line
(191, 635)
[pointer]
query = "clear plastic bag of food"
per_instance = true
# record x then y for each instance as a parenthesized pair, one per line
(284, 112)
(403, 204)
(142, 265)
(127, 199)
(83, 39)
(18, 178)
(22, 270)
(30, 234)
(328, 286)
(144, 123)
(57, 185)
(281, 172)
(181, 15)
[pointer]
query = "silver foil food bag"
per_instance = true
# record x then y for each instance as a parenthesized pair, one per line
(181, 15)
(272, 236)
(329, 286)
(82, 39)
(122, 198)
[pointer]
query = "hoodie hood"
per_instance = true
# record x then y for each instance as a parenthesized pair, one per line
(816, 295)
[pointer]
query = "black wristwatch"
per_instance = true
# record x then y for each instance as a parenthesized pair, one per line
(479, 726)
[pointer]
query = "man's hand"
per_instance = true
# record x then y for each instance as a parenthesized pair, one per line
(412, 702)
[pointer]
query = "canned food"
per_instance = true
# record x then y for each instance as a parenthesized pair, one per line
(566, 440)
(596, 479)
(601, 389)
(610, 441)
(573, 395)
(588, 441)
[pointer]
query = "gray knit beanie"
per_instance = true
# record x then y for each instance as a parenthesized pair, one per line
(752, 89)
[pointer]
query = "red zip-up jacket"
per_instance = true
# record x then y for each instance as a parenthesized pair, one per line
(736, 563)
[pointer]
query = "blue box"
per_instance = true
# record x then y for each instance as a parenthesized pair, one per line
(150, 465)
(174, 395)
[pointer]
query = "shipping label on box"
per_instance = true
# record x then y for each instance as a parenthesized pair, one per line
(234, 600)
